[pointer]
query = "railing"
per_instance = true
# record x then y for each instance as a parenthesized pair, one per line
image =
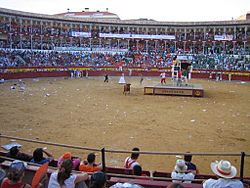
(103, 151)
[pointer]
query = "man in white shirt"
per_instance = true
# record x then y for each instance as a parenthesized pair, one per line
(131, 161)
(163, 78)
(225, 171)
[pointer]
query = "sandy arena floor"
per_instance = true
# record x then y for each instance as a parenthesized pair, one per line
(91, 113)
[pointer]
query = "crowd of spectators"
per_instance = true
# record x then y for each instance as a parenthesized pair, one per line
(184, 172)
(28, 58)
(207, 53)
(66, 30)
(138, 46)
(221, 62)
(27, 35)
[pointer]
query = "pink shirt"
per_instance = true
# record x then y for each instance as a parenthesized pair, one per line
(76, 162)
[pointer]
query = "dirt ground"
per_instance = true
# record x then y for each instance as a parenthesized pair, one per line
(88, 112)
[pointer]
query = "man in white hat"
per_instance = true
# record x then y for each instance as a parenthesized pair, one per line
(180, 173)
(225, 172)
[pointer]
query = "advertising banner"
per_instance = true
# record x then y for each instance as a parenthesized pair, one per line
(223, 37)
(80, 34)
(136, 36)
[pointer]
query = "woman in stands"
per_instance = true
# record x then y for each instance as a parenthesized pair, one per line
(98, 180)
(15, 176)
(75, 160)
(90, 165)
(64, 178)
(38, 156)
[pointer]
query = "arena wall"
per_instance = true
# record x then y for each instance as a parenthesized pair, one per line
(15, 73)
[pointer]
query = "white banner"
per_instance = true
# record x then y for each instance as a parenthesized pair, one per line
(80, 34)
(71, 49)
(185, 57)
(111, 35)
(139, 36)
(223, 37)
(136, 36)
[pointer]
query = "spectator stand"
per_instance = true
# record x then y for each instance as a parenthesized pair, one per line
(119, 174)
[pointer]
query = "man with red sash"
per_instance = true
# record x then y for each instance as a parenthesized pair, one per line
(131, 161)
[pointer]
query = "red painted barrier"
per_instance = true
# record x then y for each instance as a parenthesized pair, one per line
(18, 73)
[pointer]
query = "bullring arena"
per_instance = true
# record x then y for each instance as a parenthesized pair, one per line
(89, 112)
(42, 102)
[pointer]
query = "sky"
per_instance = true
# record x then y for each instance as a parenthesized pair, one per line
(160, 10)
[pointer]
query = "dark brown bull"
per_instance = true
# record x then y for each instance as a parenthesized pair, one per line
(126, 89)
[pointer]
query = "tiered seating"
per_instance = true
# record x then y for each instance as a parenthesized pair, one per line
(130, 59)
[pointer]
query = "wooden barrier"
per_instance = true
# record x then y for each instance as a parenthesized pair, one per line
(16, 74)
(193, 90)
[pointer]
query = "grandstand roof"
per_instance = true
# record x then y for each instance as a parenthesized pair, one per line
(90, 14)
(121, 22)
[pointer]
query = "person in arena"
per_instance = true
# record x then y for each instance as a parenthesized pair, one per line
(179, 77)
(225, 173)
(15, 176)
(90, 165)
(163, 77)
(141, 80)
(106, 78)
(131, 161)
(64, 177)
(180, 173)
(38, 156)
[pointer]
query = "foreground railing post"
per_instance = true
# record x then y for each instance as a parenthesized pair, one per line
(242, 160)
(103, 160)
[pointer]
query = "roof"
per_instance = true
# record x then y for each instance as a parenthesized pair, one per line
(90, 14)
(143, 23)
(86, 13)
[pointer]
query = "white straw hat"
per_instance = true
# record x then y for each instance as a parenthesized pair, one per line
(223, 169)
(180, 166)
